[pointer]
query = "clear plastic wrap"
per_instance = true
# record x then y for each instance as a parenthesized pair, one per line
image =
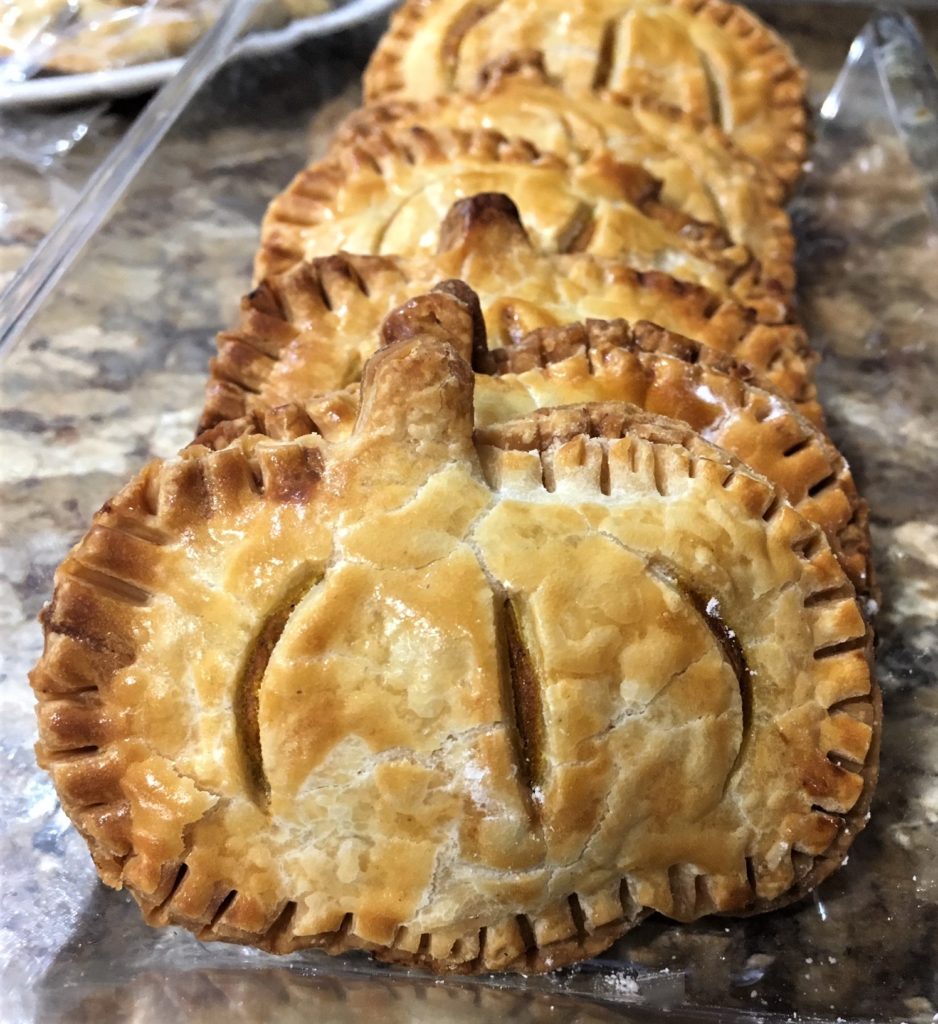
(80, 36)
(110, 372)
(44, 162)
(63, 51)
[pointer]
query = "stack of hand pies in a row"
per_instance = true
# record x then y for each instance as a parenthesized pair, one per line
(513, 589)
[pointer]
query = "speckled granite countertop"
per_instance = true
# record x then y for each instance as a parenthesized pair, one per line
(111, 373)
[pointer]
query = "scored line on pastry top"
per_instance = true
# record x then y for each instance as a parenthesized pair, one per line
(387, 189)
(713, 59)
(320, 495)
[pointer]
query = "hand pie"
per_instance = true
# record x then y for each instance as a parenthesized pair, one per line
(643, 364)
(703, 174)
(388, 191)
(474, 703)
(311, 329)
(714, 60)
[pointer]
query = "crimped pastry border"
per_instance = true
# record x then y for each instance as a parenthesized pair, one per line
(312, 197)
(89, 637)
(383, 77)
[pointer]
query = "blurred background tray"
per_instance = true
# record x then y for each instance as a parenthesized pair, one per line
(53, 89)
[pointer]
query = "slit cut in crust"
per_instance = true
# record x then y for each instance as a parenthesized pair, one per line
(398, 817)
(713, 60)
(311, 329)
(386, 191)
(703, 173)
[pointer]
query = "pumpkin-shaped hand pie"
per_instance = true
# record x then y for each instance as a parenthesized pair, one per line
(310, 329)
(272, 380)
(703, 173)
(386, 191)
(473, 701)
(712, 59)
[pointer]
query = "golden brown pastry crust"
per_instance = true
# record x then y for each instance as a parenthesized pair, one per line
(643, 364)
(714, 60)
(387, 191)
(703, 173)
(310, 330)
(309, 694)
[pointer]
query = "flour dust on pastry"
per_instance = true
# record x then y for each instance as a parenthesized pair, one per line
(386, 192)
(714, 60)
(703, 173)
(641, 363)
(310, 329)
(473, 701)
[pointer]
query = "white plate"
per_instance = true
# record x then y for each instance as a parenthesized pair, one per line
(141, 77)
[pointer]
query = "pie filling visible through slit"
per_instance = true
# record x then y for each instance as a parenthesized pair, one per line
(474, 700)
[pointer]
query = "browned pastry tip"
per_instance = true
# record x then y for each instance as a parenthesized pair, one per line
(420, 383)
(387, 187)
(491, 217)
(479, 359)
(436, 315)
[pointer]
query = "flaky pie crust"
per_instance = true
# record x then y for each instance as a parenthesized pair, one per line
(380, 693)
(715, 60)
(387, 190)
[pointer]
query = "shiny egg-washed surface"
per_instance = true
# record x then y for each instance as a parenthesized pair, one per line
(115, 372)
(257, 650)
(712, 59)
